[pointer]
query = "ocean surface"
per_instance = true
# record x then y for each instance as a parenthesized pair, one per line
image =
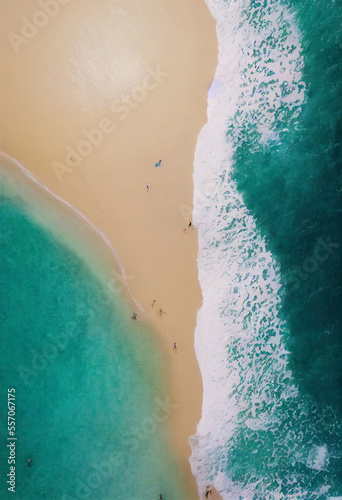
(91, 405)
(268, 189)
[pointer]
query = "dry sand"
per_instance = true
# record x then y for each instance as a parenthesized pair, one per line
(138, 71)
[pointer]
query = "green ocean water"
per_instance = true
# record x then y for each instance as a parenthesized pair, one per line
(90, 395)
(293, 187)
(270, 254)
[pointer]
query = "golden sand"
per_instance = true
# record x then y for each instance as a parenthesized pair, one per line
(92, 96)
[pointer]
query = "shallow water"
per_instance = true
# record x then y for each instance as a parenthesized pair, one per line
(90, 393)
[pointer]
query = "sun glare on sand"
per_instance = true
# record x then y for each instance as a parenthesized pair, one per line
(103, 55)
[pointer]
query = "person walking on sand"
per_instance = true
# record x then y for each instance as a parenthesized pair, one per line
(148, 186)
(153, 302)
(189, 227)
(174, 345)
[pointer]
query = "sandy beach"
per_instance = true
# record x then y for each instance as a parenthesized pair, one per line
(92, 97)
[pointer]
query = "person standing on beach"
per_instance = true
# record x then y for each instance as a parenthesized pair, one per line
(174, 345)
(148, 186)
(189, 227)
(161, 312)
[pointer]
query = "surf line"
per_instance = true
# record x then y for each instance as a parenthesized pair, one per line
(105, 238)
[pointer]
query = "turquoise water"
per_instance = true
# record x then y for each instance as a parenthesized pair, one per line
(293, 187)
(91, 404)
(269, 213)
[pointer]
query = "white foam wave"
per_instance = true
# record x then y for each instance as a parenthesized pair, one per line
(318, 458)
(239, 337)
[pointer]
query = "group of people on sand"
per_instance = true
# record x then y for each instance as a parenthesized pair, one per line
(160, 312)
(156, 165)
(148, 186)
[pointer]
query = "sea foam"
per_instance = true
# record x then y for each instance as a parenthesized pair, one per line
(239, 338)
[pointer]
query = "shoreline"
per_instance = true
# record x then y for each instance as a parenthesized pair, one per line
(67, 224)
(160, 118)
